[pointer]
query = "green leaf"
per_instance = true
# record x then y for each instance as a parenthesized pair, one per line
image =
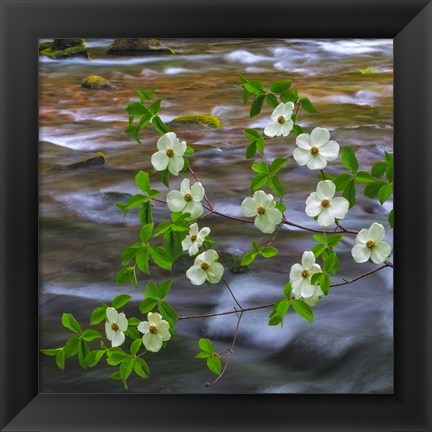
(162, 228)
(159, 125)
(89, 335)
(71, 323)
(52, 352)
(168, 312)
(269, 251)
(334, 239)
(248, 258)
(144, 95)
(142, 180)
(214, 364)
(349, 159)
(256, 106)
(254, 87)
(288, 96)
(83, 350)
(141, 368)
(260, 168)
(120, 301)
(308, 106)
(385, 193)
(142, 260)
(324, 283)
(133, 321)
(303, 309)
(260, 144)
(371, 190)
(297, 129)
(278, 164)
(126, 367)
(165, 175)
(160, 257)
(342, 180)
(349, 193)
(136, 109)
(271, 100)
(379, 169)
(315, 278)
(276, 186)
(145, 213)
(116, 357)
(389, 173)
(151, 290)
(364, 177)
(135, 346)
(164, 288)
(279, 87)
(282, 307)
(155, 106)
(318, 249)
(94, 357)
(391, 219)
(280, 206)
(127, 274)
(202, 355)
(251, 134)
(251, 150)
(320, 238)
(98, 315)
(255, 246)
(206, 345)
(71, 346)
(60, 359)
(245, 96)
(146, 232)
(147, 305)
(287, 290)
(172, 245)
(259, 181)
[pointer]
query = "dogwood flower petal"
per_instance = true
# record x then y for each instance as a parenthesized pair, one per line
(122, 322)
(380, 252)
(339, 207)
(185, 186)
(320, 136)
(369, 245)
(112, 315)
(273, 129)
(152, 342)
(197, 191)
(175, 201)
(179, 147)
(308, 260)
(175, 164)
(330, 151)
(301, 156)
(376, 232)
(196, 275)
(194, 208)
(117, 339)
(326, 190)
(316, 162)
(160, 161)
(361, 253)
(264, 224)
(325, 218)
(215, 272)
(165, 141)
(303, 141)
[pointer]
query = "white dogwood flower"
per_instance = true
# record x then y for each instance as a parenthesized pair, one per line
(205, 268)
(263, 207)
(195, 239)
(281, 124)
(187, 200)
(315, 149)
(155, 330)
(323, 204)
(170, 154)
(301, 275)
(370, 245)
(115, 326)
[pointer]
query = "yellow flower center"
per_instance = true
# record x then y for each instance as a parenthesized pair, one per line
(305, 273)
(153, 329)
(314, 151)
(193, 238)
(370, 244)
(281, 120)
(204, 266)
(260, 210)
(114, 327)
(170, 153)
(325, 203)
(188, 197)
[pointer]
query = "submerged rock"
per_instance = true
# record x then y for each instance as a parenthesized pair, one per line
(96, 82)
(136, 47)
(63, 48)
(199, 119)
(99, 159)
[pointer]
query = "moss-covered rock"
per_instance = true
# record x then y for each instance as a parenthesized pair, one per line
(199, 119)
(63, 48)
(136, 47)
(367, 71)
(233, 262)
(96, 82)
(99, 159)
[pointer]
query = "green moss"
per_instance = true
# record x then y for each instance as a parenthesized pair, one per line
(46, 49)
(204, 119)
(367, 71)
(96, 82)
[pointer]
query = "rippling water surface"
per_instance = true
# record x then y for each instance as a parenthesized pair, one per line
(349, 348)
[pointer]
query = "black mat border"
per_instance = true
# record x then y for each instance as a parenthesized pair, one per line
(22, 23)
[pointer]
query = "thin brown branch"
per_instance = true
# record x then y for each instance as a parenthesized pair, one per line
(230, 352)
(232, 294)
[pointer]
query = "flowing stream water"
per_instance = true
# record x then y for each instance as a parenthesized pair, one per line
(349, 347)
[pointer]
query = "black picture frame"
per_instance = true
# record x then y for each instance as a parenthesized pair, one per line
(408, 22)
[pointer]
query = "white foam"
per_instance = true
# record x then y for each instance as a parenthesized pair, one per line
(245, 57)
